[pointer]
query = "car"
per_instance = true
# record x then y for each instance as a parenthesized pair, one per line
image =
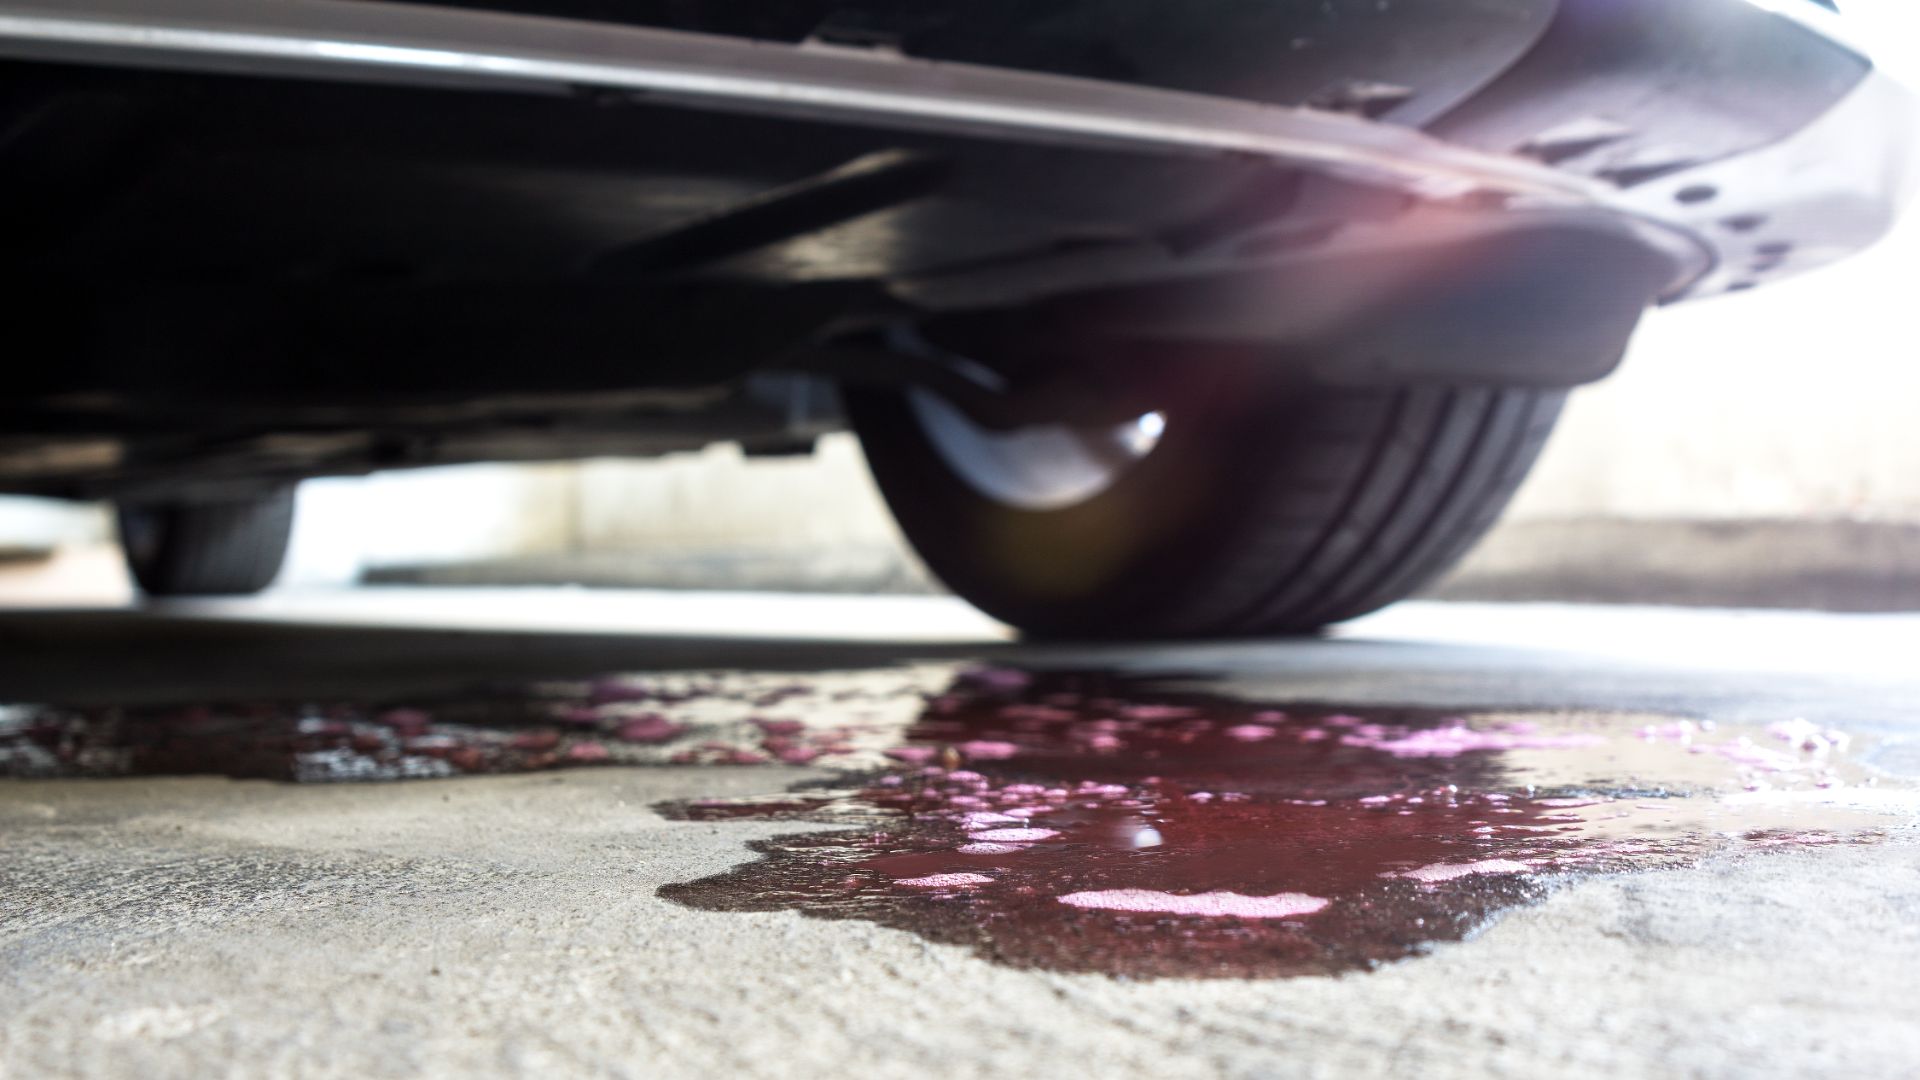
(1152, 318)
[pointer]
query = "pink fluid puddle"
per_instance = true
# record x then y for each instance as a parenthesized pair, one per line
(1124, 828)
(840, 719)
(1077, 822)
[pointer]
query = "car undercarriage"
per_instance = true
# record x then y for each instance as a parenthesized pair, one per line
(256, 242)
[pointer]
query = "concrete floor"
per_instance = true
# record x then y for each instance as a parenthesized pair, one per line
(509, 925)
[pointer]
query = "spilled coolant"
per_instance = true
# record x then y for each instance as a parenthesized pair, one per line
(1092, 823)
(835, 719)
(1087, 822)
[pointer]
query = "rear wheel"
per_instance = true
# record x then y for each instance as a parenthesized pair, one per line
(227, 547)
(1247, 507)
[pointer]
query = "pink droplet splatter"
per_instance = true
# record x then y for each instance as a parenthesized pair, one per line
(535, 740)
(1758, 757)
(1158, 712)
(1439, 872)
(988, 749)
(587, 753)
(406, 721)
(946, 881)
(1212, 904)
(649, 729)
(1457, 740)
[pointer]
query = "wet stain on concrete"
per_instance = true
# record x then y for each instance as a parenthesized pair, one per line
(1081, 821)
(833, 719)
(1094, 823)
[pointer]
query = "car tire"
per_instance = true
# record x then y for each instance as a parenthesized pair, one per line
(1263, 508)
(225, 548)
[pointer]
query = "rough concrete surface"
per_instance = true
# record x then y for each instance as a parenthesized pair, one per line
(508, 925)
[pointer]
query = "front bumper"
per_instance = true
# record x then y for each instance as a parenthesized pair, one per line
(1829, 188)
(1827, 192)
